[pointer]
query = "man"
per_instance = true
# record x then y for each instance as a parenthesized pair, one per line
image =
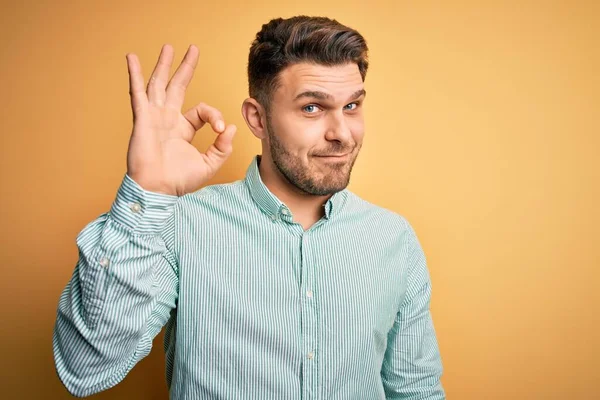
(284, 285)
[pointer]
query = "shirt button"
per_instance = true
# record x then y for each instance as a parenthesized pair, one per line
(309, 294)
(310, 355)
(135, 207)
(285, 211)
(104, 262)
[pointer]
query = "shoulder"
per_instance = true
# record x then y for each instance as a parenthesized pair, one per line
(213, 194)
(380, 218)
(357, 205)
(212, 201)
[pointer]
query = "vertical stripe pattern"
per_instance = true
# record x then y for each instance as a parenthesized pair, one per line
(253, 306)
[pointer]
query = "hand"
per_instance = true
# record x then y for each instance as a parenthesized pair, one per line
(161, 157)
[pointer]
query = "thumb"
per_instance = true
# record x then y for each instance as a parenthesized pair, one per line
(222, 147)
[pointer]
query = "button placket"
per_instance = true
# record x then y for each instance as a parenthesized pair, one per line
(310, 323)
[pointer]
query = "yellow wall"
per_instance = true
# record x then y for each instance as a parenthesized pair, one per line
(482, 129)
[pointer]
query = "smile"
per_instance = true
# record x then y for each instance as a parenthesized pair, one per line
(334, 157)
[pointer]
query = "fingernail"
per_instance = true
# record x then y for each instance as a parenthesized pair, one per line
(220, 126)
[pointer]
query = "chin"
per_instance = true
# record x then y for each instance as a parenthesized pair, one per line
(327, 189)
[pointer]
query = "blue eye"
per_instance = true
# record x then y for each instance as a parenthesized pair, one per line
(311, 108)
(351, 104)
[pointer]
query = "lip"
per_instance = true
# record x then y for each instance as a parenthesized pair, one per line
(335, 156)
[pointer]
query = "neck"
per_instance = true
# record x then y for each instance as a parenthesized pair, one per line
(306, 208)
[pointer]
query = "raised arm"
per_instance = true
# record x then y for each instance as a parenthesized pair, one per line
(125, 285)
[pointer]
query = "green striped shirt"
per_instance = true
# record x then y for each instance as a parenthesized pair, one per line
(253, 306)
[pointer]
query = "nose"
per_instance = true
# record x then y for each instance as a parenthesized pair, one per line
(338, 129)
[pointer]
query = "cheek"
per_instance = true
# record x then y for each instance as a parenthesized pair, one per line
(308, 134)
(357, 127)
(299, 136)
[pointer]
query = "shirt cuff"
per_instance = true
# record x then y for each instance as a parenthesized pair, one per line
(139, 210)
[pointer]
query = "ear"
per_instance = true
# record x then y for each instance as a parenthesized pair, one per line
(254, 115)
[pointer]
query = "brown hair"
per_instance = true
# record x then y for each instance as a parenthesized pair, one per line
(282, 42)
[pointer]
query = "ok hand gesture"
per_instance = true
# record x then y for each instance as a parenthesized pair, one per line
(161, 157)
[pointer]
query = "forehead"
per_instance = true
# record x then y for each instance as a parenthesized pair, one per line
(340, 81)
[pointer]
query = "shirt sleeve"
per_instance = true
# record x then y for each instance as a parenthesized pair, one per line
(121, 293)
(412, 366)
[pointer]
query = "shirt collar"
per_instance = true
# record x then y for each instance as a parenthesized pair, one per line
(272, 206)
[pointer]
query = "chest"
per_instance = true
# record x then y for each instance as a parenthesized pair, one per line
(275, 278)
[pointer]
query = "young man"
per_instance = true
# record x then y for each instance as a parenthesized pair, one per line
(284, 285)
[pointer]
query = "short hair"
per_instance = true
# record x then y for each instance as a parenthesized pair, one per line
(283, 42)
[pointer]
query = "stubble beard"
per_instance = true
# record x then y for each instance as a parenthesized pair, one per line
(304, 177)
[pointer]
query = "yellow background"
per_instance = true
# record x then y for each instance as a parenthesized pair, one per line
(482, 129)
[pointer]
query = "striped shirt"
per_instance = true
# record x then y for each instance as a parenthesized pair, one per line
(253, 306)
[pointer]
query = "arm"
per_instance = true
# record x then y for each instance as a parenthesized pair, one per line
(125, 283)
(121, 293)
(412, 367)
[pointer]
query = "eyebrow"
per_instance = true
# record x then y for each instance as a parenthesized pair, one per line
(326, 96)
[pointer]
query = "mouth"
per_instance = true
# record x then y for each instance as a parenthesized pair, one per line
(333, 157)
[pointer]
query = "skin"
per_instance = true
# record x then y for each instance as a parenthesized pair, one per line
(161, 157)
(312, 135)
(310, 139)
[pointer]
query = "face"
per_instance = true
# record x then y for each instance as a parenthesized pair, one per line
(316, 126)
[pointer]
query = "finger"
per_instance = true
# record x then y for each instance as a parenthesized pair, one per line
(160, 76)
(136, 84)
(220, 150)
(203, 113)
(182, 77)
